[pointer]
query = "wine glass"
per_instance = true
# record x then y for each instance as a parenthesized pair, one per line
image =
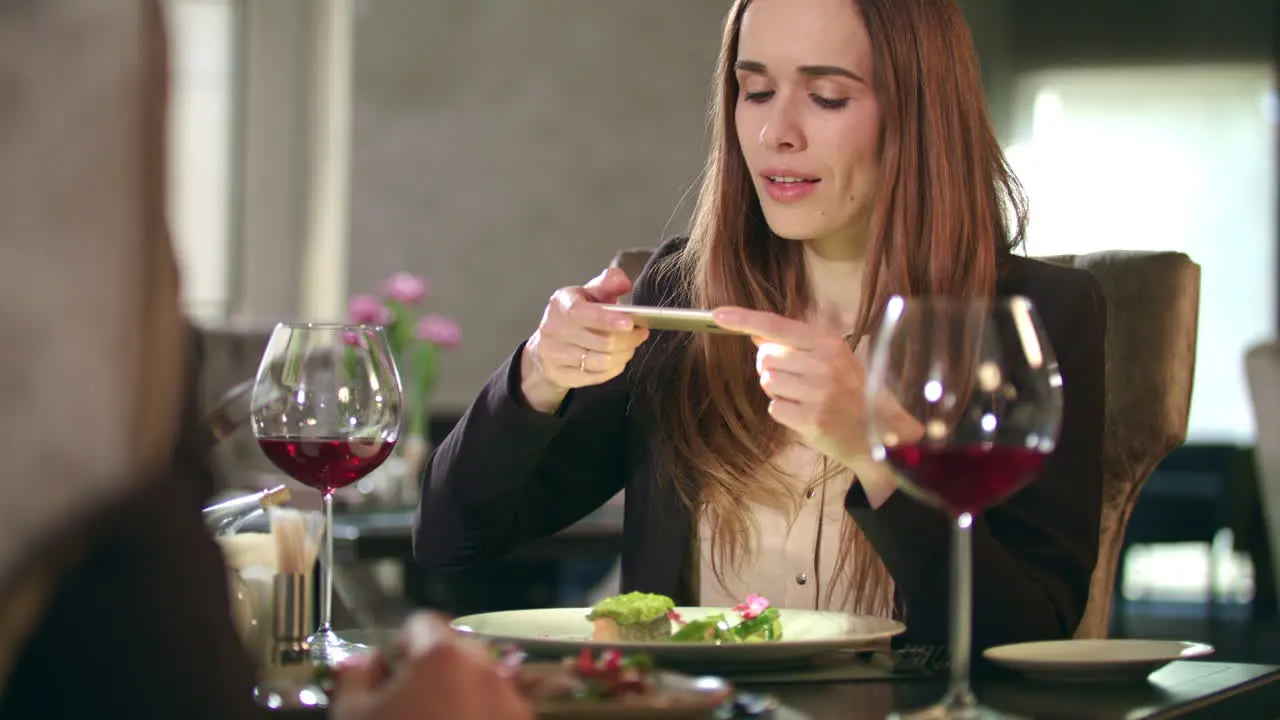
(964, 402)
(327, 411)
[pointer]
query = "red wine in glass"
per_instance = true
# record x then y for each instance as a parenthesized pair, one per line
(964, 402)
(327, 408)
(966, 478)
(326, 464)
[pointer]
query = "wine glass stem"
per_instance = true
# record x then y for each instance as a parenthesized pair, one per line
(960, 694)
(326, 567)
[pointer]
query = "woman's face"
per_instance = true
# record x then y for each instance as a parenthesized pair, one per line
(808, 120)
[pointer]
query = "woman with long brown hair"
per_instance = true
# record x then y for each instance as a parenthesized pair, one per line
(852, 158)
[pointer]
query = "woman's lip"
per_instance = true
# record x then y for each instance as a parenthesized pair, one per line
(788, 192)
(778, 171)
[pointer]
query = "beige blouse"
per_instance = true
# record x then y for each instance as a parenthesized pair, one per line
(794, 557)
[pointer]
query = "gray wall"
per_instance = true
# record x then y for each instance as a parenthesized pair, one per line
(505, 149)
(501, 148)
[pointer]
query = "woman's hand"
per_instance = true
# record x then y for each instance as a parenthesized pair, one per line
(578, 342)
(813, 380)
(441, 676)
(817, 387)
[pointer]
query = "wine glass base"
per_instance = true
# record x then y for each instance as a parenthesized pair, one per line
(328, 649)
(947, 710)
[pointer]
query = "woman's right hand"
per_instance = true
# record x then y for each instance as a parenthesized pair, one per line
(578, 342)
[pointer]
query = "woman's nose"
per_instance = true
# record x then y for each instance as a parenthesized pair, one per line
(782, 131)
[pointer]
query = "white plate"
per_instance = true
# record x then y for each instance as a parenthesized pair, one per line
(806, 634)
(1094, 660)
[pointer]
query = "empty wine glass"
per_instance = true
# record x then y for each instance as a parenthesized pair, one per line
(964, 402)
(327, 411)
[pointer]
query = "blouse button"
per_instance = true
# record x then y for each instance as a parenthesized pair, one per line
(810, 493)
(802, 579)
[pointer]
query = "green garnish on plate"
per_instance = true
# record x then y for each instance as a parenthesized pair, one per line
(632, 608)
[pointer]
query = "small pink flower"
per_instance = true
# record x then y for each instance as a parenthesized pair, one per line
(351, 338)
(405, 288)
(752, 608)
(438, 329)
(367, 310)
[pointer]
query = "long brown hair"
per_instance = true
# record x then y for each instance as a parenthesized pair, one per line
(947, 209)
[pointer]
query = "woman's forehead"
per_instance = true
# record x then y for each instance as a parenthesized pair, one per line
(785, 34)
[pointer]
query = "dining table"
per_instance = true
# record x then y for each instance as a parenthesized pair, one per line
(1183, 689)
(1190, 689)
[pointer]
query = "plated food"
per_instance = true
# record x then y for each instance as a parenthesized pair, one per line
(646, 617)
(699, 639)
(586, 685)
(612, 684)
(610, 676)
(633, 617)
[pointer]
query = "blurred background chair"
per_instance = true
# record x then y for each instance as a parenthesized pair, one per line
(1262, 367)
(631, 261)
(230, 353)
(1153, 303)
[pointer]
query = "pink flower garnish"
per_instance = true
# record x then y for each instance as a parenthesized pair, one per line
(674, 617)
(752, 608)
(405, 288)
(439, 330)
(367, 310)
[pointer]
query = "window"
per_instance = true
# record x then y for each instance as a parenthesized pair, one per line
(1165, 158)
(200, 150)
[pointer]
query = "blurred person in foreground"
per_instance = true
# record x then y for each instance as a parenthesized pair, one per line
(113, 600)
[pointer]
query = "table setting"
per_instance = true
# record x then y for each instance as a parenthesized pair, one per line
(327, 411)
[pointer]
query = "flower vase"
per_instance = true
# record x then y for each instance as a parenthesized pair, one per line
(395, 483)
(413, 450)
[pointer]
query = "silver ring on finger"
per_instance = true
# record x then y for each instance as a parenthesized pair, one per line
(582, 364)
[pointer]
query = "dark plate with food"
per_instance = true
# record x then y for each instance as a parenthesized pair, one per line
(611, 684)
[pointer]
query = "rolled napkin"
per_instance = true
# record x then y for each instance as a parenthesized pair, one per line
(251, 565)
(250, 549)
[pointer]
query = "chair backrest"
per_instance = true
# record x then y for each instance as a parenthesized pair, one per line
(1262, 366)
(1153, 300)
(631, 262)
(230, 355)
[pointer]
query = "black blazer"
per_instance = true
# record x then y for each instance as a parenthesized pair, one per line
(508, 474)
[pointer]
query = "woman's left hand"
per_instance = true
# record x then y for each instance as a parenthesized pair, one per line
(813, 379)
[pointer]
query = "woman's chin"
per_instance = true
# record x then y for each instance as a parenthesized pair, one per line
(798, 225)
(799, 231)
(796, 229)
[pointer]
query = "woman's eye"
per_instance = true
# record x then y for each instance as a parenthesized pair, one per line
(829, 103)
(758, 96)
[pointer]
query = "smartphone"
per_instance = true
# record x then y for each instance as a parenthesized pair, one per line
(679, 319)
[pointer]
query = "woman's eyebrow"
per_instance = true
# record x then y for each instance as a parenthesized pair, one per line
(759, 68)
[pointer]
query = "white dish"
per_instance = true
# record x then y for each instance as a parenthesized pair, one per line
(1094, 660)
(806, 634)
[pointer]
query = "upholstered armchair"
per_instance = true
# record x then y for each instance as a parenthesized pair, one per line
(631, 262)
(1153, 300)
